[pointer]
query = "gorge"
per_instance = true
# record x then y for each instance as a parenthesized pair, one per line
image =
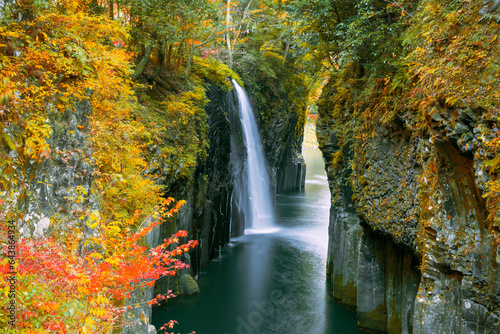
(134, 167)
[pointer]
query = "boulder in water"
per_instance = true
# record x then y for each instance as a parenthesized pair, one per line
(187, 285)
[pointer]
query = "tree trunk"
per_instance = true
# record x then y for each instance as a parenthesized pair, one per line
(191, 54)
(287, 48)
(228, 36)
(161, 57)
(142, 64)
(169, 54)
(110, 7)
(179, 56)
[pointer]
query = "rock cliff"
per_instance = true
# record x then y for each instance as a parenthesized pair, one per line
(410, 244)
(281, 121)
(212, 212)
(408, 124)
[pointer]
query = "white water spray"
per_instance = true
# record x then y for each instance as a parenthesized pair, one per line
(261, 205)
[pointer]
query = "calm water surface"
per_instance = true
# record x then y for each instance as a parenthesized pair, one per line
(270, 283)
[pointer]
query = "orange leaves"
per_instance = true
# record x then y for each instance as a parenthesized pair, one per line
(453, 45)
(169, 324)
(181, 234)
(62, 290)
(75, 280)
(191, 41)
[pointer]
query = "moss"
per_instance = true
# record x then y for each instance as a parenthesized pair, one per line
(216, 72)
(337, 286)
(349, 293)
(375, 320)
(187, 285)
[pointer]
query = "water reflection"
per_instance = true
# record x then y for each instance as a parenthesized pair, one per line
(270, 283)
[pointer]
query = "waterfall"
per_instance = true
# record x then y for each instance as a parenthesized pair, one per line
(259, 210)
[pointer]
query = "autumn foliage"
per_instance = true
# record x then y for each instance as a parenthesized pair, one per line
(75, 278)
(142, 67)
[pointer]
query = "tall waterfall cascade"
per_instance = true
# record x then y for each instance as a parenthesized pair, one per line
(259, 215)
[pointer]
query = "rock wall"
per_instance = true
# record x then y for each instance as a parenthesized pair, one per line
(56, 182)
(281, 120)
(282, 138)
(207, 214)
(213, 216)
(410, 246)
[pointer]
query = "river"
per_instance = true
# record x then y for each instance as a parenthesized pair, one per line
(270, 283)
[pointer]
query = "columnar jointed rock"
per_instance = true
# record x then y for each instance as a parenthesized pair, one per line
(425, 261)
(281, 122)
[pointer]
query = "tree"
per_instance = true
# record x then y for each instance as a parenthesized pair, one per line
(170, 30)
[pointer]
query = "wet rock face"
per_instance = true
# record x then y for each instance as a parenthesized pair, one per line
(283, 149)
(385, 181)
(137, 319)
(490, 7)
(410, 245)
(213, 213)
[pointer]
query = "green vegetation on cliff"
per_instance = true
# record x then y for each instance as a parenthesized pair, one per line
(424, 70)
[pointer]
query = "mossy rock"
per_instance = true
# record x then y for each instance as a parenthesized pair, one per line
(187, 285)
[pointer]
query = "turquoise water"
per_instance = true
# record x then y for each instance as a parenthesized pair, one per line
(270, 283)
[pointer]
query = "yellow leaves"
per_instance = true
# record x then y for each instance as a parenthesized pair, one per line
(492, 164)
(144, 318)
(82, 289)
(80, 190)
(432, 70)
(113, 229)
(96, 256)
(88, 325)
(452, 100)
(35, 145)
(113, 261)
(99, 312)
(5, 90)
(100, 300)
(274, 56)
(215, 71)
(337, 158)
